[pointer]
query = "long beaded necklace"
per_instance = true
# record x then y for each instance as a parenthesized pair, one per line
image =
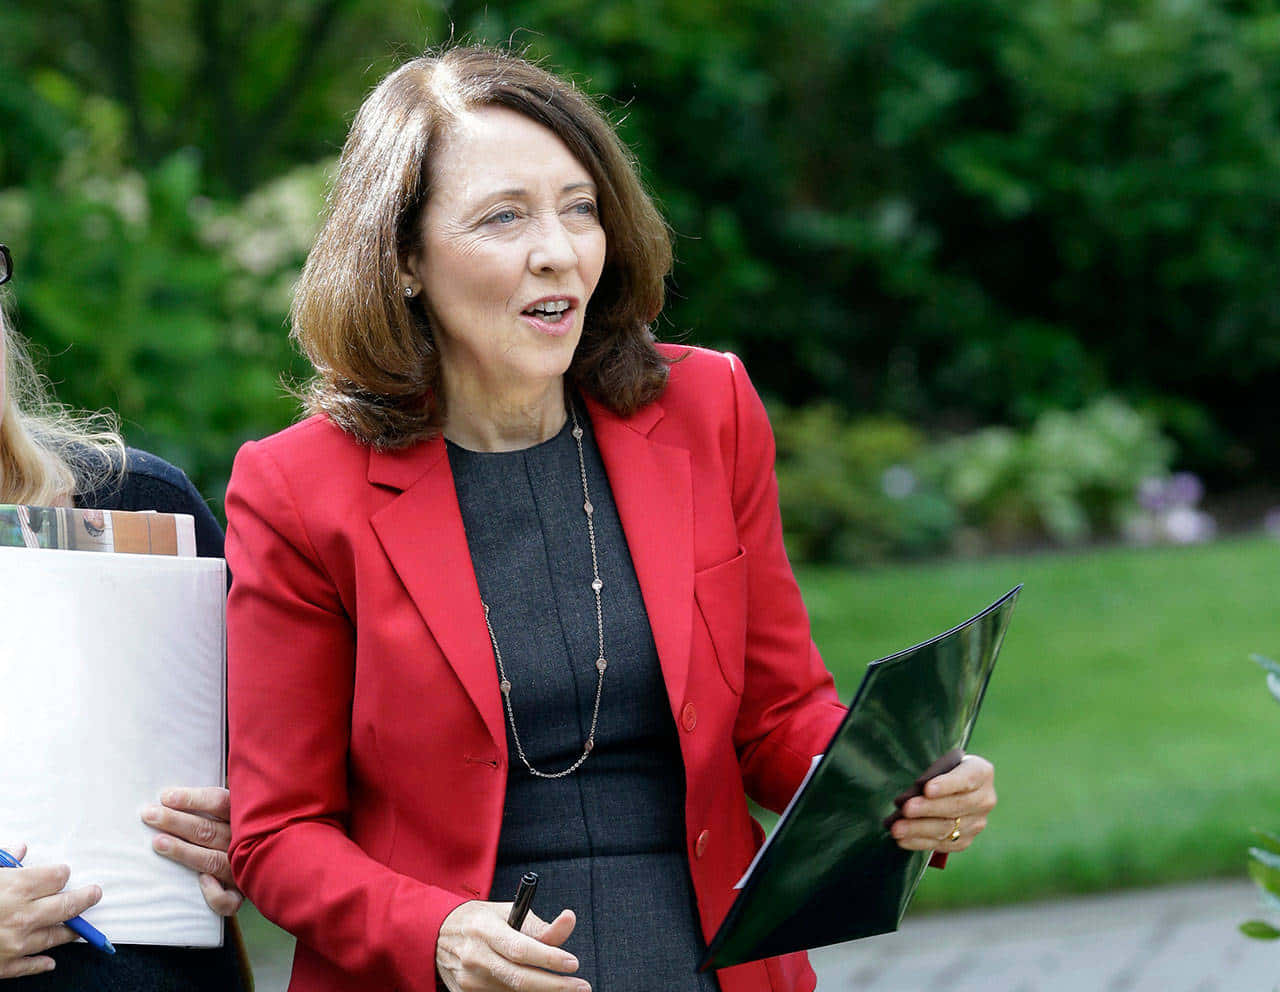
(601, 664)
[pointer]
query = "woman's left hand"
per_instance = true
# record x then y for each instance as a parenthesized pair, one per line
(952, 811)
(195, 831)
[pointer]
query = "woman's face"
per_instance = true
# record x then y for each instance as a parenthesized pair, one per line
(512, 249)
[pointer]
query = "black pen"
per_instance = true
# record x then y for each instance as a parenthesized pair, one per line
(524, 899)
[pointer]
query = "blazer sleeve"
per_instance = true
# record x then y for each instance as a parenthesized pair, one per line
(789, 708)
(291, 666)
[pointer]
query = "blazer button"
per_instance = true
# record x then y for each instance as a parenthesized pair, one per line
(700, 846)
(689, 717)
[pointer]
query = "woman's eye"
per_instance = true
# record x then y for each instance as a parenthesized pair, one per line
(585, 207)
(503, 217)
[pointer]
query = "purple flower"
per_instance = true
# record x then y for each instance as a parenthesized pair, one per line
(1153, 494)
(1184, 489)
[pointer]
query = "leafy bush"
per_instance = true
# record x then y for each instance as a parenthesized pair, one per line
(1264, 861)
(847, 489)
(861, 490)
(145, 297)
(1073, 476)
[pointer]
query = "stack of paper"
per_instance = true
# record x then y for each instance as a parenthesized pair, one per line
(113, 674)
(76, 529)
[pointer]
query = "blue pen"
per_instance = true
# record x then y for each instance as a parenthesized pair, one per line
(76, 924)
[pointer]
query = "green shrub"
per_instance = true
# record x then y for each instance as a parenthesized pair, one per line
(863, 490)
(144, 296)
(848, 490)
(1073, 476)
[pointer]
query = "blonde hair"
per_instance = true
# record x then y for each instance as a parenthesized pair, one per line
(377, 367)
(47, 453)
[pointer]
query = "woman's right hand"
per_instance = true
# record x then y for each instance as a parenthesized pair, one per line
(477, 950)
(32, 910)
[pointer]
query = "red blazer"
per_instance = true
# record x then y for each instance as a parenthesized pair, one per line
(368, 755)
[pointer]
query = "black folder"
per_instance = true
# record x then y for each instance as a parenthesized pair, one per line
(831, 871)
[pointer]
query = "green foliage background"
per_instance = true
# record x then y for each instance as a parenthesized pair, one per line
(953, 213)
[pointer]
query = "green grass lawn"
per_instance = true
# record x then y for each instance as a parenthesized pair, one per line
(1134, 741)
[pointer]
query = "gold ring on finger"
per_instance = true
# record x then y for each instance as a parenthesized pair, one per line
(955, 833)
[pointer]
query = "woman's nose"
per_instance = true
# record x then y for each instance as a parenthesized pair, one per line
(553, 249)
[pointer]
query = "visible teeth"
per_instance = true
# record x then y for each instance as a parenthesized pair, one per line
(551, 307)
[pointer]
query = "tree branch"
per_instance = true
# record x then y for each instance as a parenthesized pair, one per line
(314, 35)
(214, 80)
(121, 61)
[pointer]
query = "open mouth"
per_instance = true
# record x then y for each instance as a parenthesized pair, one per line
(551, 311)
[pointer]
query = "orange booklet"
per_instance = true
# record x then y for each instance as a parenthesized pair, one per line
(75, 529)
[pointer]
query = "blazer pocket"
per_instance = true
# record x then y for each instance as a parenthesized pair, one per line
(721, 594)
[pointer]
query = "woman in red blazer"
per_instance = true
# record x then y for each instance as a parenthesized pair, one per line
(404, 730)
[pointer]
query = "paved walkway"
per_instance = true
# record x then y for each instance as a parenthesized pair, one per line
(1178, 939)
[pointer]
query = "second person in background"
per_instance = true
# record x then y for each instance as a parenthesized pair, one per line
(52, 457)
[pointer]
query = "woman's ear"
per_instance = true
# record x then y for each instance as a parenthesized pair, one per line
(410, 284)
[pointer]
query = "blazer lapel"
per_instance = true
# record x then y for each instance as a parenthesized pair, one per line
(653, 489)
(422, 534)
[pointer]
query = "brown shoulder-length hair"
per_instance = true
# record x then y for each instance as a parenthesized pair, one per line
(377, 366)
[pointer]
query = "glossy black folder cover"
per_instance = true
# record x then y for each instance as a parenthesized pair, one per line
(831, 871)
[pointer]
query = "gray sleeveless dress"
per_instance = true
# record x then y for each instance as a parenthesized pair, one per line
(607, 840)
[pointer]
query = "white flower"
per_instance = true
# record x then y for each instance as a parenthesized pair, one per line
(898, 482)
(1183, 525)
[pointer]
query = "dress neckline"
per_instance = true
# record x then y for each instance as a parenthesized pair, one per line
(455, 448)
